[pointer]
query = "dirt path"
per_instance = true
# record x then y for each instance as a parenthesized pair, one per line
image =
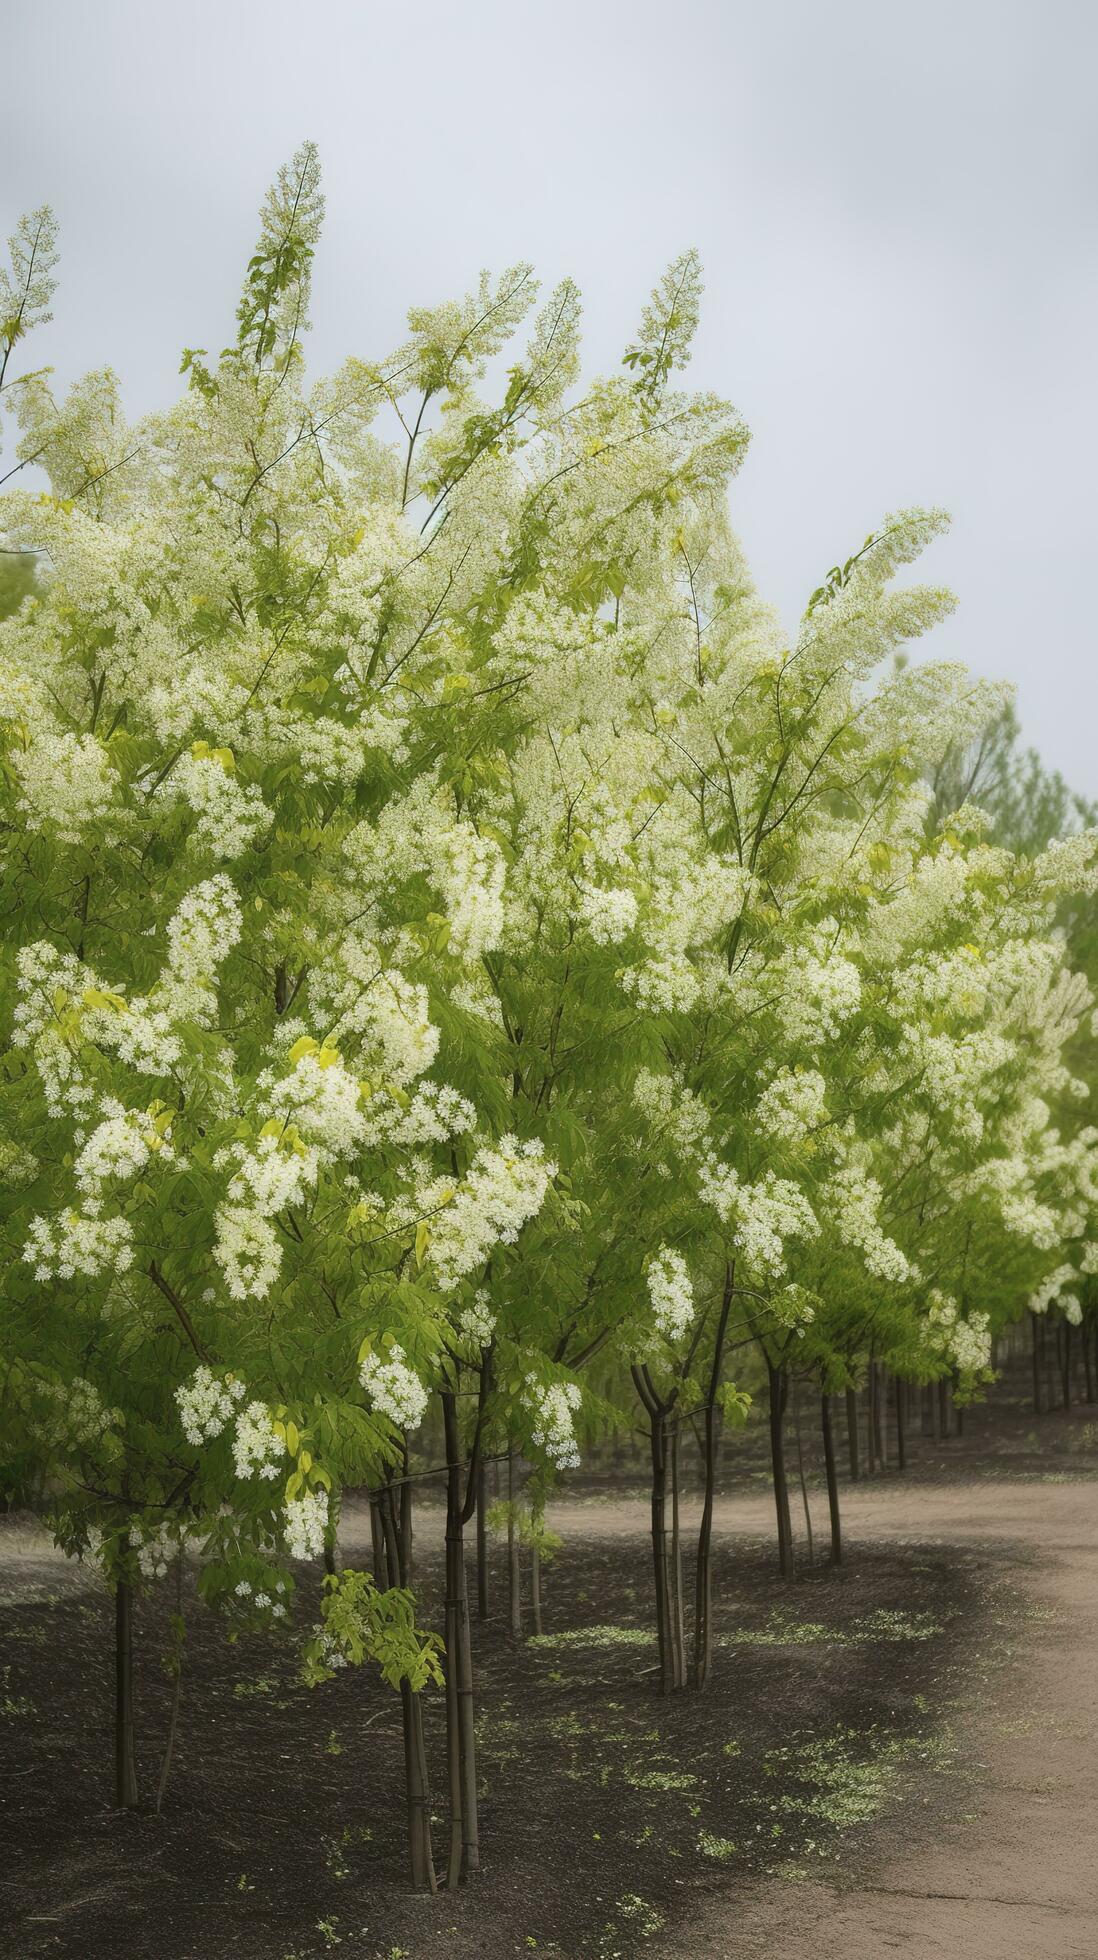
(1015, 1878)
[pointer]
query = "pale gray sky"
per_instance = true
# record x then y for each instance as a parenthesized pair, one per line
(896, 207)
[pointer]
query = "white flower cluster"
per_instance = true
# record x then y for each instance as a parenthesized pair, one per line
(820, 992)
(18, 1166)
(853, 1203)
(472, 875)
(359, 992)
(202, 932)
(671, 1292)
(393, 1388)
(673, 1111)
(663, 986)
(321, 1097)
(553, 1406)
(247, 1251)
(62, 1003)
(964, 1339)
(608, 912)
(257, 1451)
(76, 1415)
(1050, 1288)
(792, 1104)
(118, 1148)
(305, 1521)
(68, 783)
(207, 1403)
(79, 1244)
(503, 1188)
(763, 1214)
(435, 1114)
(477, 1322)
(229, 814)
(269, 1176)
(261, 1598)
(156, 1545)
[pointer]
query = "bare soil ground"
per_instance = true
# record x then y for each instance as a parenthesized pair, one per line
(1006, 1870)
(901, 1757)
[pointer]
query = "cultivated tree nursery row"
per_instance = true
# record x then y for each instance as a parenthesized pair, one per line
(473, 988)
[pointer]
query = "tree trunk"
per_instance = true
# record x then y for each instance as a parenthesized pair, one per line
(852, 1432)
(514, 1569)
(880, 1416)
(1088, 1358)
(421, 1862)
(832, 1481)
(660, 1562)
(1049, 1369)
(467, 1710)
(678, 1626)
(177, 1684)
(332, 1560)
(482, 1540)
(125, 1767)
(778, 1384)
(943, 1409)
(657, 1435)
(397, 1549)
(377, 1543)
(460, 1741)
(1065, 1363)
(535, 1586)
(800, 1472)
(703, 1581)
(901, 1424)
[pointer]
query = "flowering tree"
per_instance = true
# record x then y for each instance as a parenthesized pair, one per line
(244, 1203)
(459, 953)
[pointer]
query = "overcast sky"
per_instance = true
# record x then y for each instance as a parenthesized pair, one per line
(896, 207)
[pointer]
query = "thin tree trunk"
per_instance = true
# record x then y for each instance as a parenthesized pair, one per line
(177, 1687)
(832, 1481)
(660, 1562)
(943, 1409)
(880, 1416)
(1088, 1358)
(678, 1625)
(125, 1767)
(852, 1432)
(703, 1581)
(332, 1560)
(656, 1412)
(455, 1624)
(514, 1569)
(377, 1542)
(482, 1539)
(467, 1711)
(778, 1388)
(901, 1424)
(1065, 1371)
(398, 1544)
(421, 1863)
(535, 1586)
(800, 1471)
(1049, 1363)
